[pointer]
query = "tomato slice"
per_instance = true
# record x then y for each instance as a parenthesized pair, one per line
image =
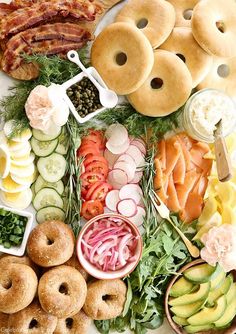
(93, 158)
(92, 188)
(88, 179)
(91, 209)
(101, 192)
(98, 167)
(87, 149)
(97, 137)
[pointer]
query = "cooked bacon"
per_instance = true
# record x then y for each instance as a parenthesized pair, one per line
(39, 13)
(49, 39)
(6, 9)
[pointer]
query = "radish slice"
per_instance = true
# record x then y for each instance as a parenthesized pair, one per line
(139, 217)
(127, 207)
(126, 158)
(137, 177)
(118, 149)
(112, 200)
(117, 178)
(129, 169)
(132, 191)
(139, 145)
(110, 157)
(116, 134)
(136, 154)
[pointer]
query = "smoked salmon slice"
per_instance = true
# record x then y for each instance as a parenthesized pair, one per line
(186, 153)
(173, 150)
(183, 190)
(158, 181)
(162, 153)
(197, 153)
(180, 169)
(172, 200)
(193, 208)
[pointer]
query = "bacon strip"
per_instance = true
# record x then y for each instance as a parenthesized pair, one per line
(49, 39)
(38, 13)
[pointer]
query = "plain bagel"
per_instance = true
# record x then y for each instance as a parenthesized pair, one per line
(51, 243)
(123, 57)
(62, 291)
(182, 43)
(183, 10)
(155, 18)
(77, 324)
(32, 320)
(214, 27)
(18, 286)
(222, 76)
(166, 89)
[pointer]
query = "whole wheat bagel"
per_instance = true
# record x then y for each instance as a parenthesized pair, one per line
(77, 324)
(32, 319)
(182, 43)
(123, 57)
(4, 322)
(62, 291)
(155, 18)
(18, 286)
(6, 259)
(183, 11)
(214, 27)
(51, 243)
(74, 262)
(222, 76)
(166, 89)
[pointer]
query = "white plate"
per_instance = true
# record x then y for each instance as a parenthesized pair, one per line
(5, 82)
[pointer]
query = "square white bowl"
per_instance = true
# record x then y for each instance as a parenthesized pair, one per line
(74, 81)
(19, 250)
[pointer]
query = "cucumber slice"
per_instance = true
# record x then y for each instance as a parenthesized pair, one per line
(41, 183)
(52, 168)
(39, 135)
(47, 197)
(50, 213)
(43, 148)
(63, 143)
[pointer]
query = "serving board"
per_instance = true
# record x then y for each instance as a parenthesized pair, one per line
(6, 82)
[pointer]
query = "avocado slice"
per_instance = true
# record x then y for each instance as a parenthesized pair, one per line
(202, 273)
(228, 315)
(195, 329)
(180, 321)
(231, 294)
(200, 294)
(181, 287)
(185, 311)
(209, 315)
(222, 290)
(216, 282)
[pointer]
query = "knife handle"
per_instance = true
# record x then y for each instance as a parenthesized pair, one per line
(223, 162)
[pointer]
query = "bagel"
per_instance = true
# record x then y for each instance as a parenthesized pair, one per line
(123, 57)
(6, 259)
(77, 324)
(74, 262)
(183, 11)
(214, 27)
(18, 286)
(166, 89)
(182, 43)
(105, 299)
(32, 320)
(4, 322)
(62, 291)
(222, 76)
(51, 243)
(155, 18)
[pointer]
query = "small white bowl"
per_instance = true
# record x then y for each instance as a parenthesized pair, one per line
(93, 270)
(19, 250)
(74, 81)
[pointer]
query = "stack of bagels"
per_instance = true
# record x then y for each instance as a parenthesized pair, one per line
(157, 51)
(48, 290)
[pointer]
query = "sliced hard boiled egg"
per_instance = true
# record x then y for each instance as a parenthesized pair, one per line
(3, 138)
(210, 207)
(24, 160)
(22, 152)
(10, 186)
(22, 171)
(5, 161)
(20, 200)
(15, 146)
(25, 180)
(23, 137)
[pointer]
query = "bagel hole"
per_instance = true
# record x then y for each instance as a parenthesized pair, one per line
(69, 323)
(142, 23)
(121, 58)
(181, 57)
(187, 14)
(156, 83)
(50, 241)
(223, 71)
(33, 324)
(220, 26)
(7, 284)
(63, 289)
(107, 297)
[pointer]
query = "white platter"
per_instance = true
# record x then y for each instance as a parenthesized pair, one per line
(6, 82)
